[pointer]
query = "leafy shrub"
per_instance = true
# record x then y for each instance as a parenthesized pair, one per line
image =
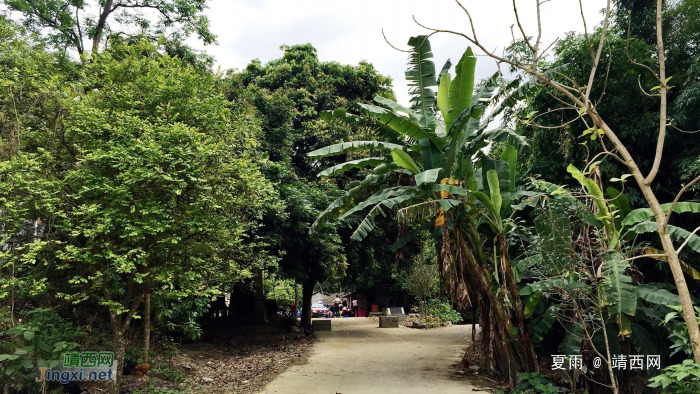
(39, 341)
(167, 372)
(533, 383)
(443, 311)
(153, 389)
(679, 379)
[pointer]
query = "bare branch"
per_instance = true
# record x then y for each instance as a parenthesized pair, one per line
(662, 92)
(591, 77)
(687, 240)
(678, 196)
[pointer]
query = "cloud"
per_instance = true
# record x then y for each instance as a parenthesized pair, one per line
(348, 32)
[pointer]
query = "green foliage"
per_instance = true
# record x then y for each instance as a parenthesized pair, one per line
(679, 331)
(533, 383)
(39, 341)
(678, 379)
(167, 372)
(70, 26)
(444, 311)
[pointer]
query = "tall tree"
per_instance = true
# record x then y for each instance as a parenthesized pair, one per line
(69, 23)
(288, 94)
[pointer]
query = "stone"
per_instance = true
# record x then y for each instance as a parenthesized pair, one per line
(388, 322)
(321, 325)
(474, 368)
(207, 380)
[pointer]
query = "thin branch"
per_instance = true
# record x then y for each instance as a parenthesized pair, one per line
(627, 50)
(678, 196)
(585, 31)
(591, 77)
(683, 131)
(687, 240)
(639, 82)
(387, 41)
(662, 92)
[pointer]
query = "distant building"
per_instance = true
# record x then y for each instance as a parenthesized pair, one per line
(318, 297)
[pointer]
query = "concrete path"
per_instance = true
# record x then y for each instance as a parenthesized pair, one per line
(357, 357)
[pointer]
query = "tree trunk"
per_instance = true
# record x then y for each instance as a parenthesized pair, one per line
(259, 303)
(101, 22)
(146, 327)
(306, 292)
(119, 353)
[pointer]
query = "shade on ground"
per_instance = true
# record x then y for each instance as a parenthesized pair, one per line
(357, 357)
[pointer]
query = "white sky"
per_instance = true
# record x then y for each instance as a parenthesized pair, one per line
(350, 31)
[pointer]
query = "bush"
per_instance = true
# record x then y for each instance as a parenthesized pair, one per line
(533, 383)
(445, 312)
(679, 379)
(167, 372)
(39, 341)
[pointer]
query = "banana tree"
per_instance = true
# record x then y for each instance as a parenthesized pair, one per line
(424, 167)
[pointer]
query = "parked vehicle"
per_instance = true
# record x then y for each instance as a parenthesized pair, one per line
(318, 310)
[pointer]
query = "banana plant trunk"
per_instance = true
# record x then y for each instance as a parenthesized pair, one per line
(467, 271)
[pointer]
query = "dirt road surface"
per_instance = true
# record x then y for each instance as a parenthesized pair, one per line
(357, 357)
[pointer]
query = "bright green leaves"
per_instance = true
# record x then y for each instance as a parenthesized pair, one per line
(429, 176)
(462, 87)
(403, 160)
(348, 165)
(420, 77)
(443, 99)
(495, 191)
(347, 147)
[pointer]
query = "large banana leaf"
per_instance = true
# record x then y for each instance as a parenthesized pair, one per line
(367, 224)
(571, 345)
(644, 214)
(495, 192)
(443, 100)
(462, 87)
(428, 176)
(510, 155)
(679, 234)
(348, 165)
(420, 77)
(359, 192)
(403, 125)
(687, 268)
(430, 154)
(620, 294)
(658, 296)
(346, 147)
(397, 107)
(403, 160)
(380, 196)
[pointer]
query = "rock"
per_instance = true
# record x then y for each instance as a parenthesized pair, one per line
(474, 368)
(207, 380)
(460, 372)
(296, 329)
(321, 325)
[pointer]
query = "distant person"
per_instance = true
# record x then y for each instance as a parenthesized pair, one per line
(336, 304)
(293, 309)
(354, 308)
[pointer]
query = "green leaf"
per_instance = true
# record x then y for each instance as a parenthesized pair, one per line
(495, 191)
(620, 294)
(658, 296)
(348, 165)
(643, 214)
(510, 155)
(420, 77)
(571, 345)
(396, 106)
(532, 303)
(403, 160)
(429, 176)
(462, 87)
(430, 154)
(403, 125)
(346, 147)
(443, 100)
(29, 335)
